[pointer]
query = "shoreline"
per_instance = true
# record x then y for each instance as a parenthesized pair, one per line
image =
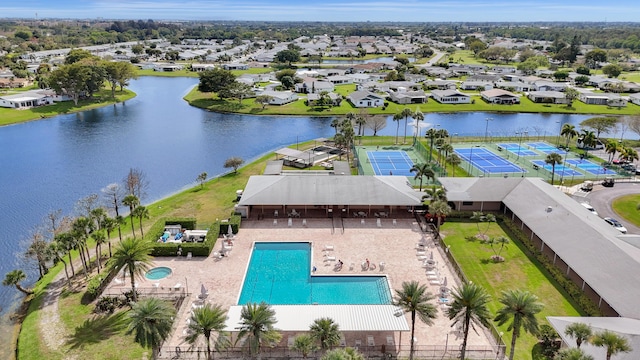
(122, 97)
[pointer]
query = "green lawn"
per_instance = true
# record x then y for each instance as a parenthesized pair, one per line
(516, 272)
(625, 207)
(102, 98)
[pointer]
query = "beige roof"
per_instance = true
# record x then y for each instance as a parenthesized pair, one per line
(349, 317)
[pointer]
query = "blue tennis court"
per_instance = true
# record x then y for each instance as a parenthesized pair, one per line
(517, 149)
(486, 161)
(590, 167)
(546, 148)
(561, 170)
(390, 162)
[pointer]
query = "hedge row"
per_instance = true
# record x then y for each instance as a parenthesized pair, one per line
(571, 288)
(96, 285)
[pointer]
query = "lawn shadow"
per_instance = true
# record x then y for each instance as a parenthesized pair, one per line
(97, 329)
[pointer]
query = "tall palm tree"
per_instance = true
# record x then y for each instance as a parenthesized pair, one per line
(150, 321)
(572, 354)
(397, 117)
(14, 278)
(335, 124)
(440, 209)
(520, 308)
(455, 161)
(611, 148)
(406, 113)
(469, 304)
(120, 222)
(141, 212)
(413, 298)
(417, 117)
(257, 324)
(553, 159)
(304, 343)
(588, 139)
(131, 201)
(326, 332)
(435, 193)
(423, 170)
(569, 132)
(361, 121)
(100, 238)
(579, 331)
(432, 134)
(613, 342)
(629, 154)
(133, 256)
(205, 321)
(109, 224)
(82, 228)
(440, 142)
(58, 250)
(67, 241)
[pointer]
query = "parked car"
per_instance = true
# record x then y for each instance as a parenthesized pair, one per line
(587, 186)
(608, 182)
(590, 208)
(616, 224)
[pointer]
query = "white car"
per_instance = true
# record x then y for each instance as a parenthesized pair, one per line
(616, 224)
(590, 208)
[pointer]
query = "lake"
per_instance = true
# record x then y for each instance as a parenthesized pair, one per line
(50, 164)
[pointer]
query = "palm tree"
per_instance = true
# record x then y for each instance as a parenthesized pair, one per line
(612, 148)
(257, 324)
(500, 241)
(423, 170)
(397, 117)
(304, 343)
(432, 134)
(553, 159)
(326, 332)
(439, 145)
(572, 354)
(206, 320)
(578, 331)
(82, 228)
(120, 222)
(469, 304)
(588, 139)
(413, 298)
(335, 124)
(132, 256)
(417, 117)
(14, 278)
(454, 160)
(406, 113)
(100, 238)
(613, 342)
(520, 307)
(440, 209)
(109, 224)
(67, 241)
(569, 132)
(629, 154)
(58, 250)
(343, 354)
(361, 121)
(150, 320)
(435, 193)
(141, 212)
(131, 201)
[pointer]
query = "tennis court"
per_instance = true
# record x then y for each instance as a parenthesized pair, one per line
(517, 149)
(486, 161)
(590, 167)
(546, 148)
(561, 170)
(390, 162)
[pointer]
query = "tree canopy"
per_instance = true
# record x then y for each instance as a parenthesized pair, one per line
(215, 80)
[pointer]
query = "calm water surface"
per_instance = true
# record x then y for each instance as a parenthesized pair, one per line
(50, 164)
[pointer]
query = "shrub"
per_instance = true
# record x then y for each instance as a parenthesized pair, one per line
(107, 304)
(96, 285)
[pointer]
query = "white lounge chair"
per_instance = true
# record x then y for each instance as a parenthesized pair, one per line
(420, 253)
(370, 341)
(382, 265)
(304, 222)
(378, 223)
(329, 258)
(289, 222)
(328, 248)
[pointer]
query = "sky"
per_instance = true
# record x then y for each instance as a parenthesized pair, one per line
(330, 10)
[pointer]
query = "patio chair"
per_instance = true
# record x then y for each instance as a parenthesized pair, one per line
(370, 341)
(329, 258)
(304, 222)
(382, 265)
(355, 214)
(275, 213)
(189, 255)
(290, 223)
(328, 248)
(378, 223)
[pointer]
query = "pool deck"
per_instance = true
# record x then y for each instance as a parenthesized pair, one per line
(395, 245)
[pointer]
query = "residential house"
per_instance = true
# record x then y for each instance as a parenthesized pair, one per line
(514, 86)
(408, 97)
(441, 84)
(13, 82)
(613, 100)
(484, 78)
(235, 66)
(202, 67)
(450, 97)
(280, 97)
(635, 99)
(543, 85)
(314, 86)
(548, 97)
(476, 85)
(500, 96)
(339, 79)
(503, 69)
(167, 67)
(359, 78)
(25, 100)
(336, 99)
(363, 99)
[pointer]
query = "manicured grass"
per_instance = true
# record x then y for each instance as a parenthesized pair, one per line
(102, 98)
(516, 272)
(179, 73)
(625, 207)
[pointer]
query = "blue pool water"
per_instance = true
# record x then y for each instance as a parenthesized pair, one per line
(158, 273)
(279, 274)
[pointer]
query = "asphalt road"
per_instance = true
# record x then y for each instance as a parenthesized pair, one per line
(601, 198)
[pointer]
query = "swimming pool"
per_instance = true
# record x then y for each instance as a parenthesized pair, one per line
(158, 273)
(280, 274)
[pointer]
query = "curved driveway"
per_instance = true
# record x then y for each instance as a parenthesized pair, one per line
(601, 198)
